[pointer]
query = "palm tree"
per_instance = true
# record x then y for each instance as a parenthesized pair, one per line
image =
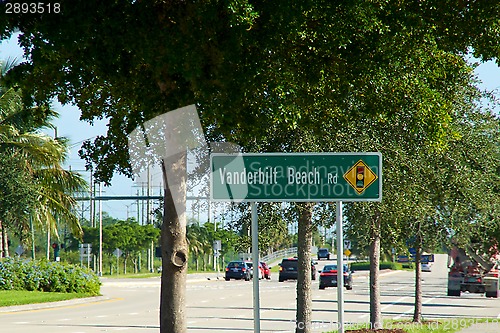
(39, 160)
(193, 235)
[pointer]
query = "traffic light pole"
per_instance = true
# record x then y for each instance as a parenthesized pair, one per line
(340, 269)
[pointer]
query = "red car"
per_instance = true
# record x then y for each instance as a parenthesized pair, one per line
(266, 269)
(261, 269)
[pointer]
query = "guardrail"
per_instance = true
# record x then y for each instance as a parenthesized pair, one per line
(279, 254)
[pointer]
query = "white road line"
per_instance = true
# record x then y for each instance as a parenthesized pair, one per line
(498, 317)
(387, 306)
(413, 309)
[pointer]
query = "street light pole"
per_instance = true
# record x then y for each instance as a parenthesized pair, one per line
(100, 232)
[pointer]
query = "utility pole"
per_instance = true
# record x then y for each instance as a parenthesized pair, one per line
(92, 207)
(138, 208)
(100, 232)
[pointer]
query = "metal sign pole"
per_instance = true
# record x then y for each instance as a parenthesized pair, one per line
(255, 259)
(340, 269)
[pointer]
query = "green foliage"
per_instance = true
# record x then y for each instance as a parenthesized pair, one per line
(365, 266)
(47, 276)
(200, 241)
(18, 192)
(35, 186)
(21, 297)
(128, 236)
(426, 326)
(255, 69)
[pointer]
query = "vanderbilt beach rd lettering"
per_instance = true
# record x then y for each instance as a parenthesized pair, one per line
(303, 177)
(267, 176)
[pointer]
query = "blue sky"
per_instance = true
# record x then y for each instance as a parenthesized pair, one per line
(69, 125)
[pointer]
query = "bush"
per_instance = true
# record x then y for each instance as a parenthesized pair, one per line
(17, 274)
(365, 266)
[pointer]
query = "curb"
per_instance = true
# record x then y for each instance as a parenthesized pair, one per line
(39, 306)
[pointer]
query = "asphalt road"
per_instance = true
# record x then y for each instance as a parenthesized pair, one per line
(226, 306)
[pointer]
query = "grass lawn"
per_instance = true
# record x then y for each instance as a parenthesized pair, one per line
(20, 297)
(432, 326)
(132, 275)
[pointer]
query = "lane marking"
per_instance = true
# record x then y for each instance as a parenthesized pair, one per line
(387, 306)
(413, 309)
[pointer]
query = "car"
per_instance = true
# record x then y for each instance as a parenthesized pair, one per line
(261, 269)
(266, 270)
(237, 270)
(289, 269)
(328, 277)
(426, 267)
(323, 253)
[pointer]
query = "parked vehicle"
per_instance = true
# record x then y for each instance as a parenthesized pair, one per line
(260, 271)
(289, 270)
(472, 272)
(328, 277)
(266, 270)
(323, 253)
(237, 270)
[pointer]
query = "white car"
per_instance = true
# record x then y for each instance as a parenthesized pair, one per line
(426, 267)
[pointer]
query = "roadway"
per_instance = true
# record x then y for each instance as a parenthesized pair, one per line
(226, 306)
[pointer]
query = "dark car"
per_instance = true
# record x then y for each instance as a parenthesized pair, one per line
(289, 270)
(328, 277)
(266, 270)
(323, 253)
(237, 270)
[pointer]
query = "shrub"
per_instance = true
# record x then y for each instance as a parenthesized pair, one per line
(365, 266)
(42, 275)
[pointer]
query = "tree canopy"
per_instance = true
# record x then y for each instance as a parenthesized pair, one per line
(254, 69)
(269, 76)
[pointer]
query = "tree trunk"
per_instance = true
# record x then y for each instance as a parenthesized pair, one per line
(417, 313)
(5, 242)
(375, 310)
(1, 241)
(174, 247)
(135, 261)
(304, 297)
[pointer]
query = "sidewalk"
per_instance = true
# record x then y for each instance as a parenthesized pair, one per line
(207, 276)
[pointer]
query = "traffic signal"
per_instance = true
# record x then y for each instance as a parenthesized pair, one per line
(360, 176)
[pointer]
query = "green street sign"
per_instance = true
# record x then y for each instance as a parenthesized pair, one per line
(296, 177)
